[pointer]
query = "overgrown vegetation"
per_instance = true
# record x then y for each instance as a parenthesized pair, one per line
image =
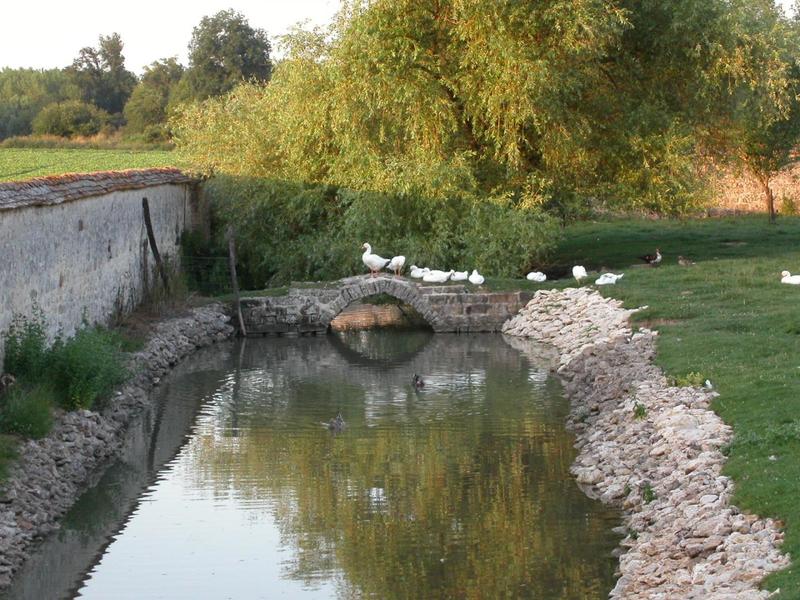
(290, 231)
(729, 318)
(27, 412)
(71, 373)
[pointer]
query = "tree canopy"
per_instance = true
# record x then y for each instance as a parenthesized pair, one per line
(224, 52)
(146, 109)
(540, 102)
(101, 76)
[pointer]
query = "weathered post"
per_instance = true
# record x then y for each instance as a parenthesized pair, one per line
(152, 239)
(234, 281)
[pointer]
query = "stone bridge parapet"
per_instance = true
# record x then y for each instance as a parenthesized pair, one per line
(447, 308)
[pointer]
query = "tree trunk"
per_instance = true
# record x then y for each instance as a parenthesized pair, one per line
(768, 196)
(237, 303)
(152, 239)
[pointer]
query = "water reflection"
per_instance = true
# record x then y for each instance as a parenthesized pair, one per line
(458, 490)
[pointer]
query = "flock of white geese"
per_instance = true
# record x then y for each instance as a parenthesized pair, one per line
(376, 263)
(395, 264)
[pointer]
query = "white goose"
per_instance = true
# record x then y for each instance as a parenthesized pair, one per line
(579, 272)
(459, 276)
(396, 264)
(418, 273)
(608, 279)
(372, 261)
(787, 277)
(435, 276)
(536, 276)
(476, 278)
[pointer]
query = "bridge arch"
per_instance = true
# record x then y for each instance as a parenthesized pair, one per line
(357, 288)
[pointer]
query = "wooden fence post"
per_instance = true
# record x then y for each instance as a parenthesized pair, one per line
(231, 234)
(152, 239)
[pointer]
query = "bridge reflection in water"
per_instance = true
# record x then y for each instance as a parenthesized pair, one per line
(458, 490)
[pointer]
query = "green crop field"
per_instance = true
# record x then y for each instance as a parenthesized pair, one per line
(18, 164)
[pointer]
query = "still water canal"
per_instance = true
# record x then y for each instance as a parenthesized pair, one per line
(231, 487)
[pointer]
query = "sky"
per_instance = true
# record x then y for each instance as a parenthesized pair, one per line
(49, 34)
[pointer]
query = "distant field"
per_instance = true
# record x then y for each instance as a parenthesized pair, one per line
(18, 164)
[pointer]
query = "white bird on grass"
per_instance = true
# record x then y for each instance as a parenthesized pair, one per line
(476, 278)
(418, 273)
(787, 277)
(396, 264)
(608, 278)
(436, 276)
(578, 272)
(459, 276)
(536, 276)
(372, 261)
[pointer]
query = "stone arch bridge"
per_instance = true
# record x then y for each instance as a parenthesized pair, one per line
(446, 308)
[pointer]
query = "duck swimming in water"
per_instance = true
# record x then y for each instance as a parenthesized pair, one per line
(419, 383)
(337, 424)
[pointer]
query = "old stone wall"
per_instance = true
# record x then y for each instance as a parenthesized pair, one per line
(76, 245)
(653, 449)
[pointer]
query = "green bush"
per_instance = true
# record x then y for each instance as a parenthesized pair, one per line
(27, 412)
(86, 367)
(788, 206)
(70, 118)
(293, 231)
(26, 352)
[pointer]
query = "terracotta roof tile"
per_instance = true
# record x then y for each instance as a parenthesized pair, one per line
(65, 188)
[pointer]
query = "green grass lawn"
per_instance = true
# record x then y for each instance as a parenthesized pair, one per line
(730, 319)
(25, 163)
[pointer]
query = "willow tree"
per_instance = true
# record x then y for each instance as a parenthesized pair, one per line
(527, 101)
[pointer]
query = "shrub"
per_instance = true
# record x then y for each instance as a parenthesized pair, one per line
(70, 118)
(691, 379)
(294, 231)
(26, 346)
(27, 412)
(788, 206)
(87, 367)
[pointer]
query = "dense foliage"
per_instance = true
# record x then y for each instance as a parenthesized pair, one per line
(289, 230)
(101, 75)
(146, 110)
(543, 102)
(74, 372)
(24, 92)
(224, 51)
(69, 118)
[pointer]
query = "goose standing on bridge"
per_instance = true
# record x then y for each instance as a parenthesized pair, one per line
(372, 261)
(396, 264)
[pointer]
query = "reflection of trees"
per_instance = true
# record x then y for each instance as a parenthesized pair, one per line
(379, 346)
(457, 499)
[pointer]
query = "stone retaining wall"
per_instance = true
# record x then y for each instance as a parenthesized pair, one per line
(653, 449)
(76, 245)
(50, 473)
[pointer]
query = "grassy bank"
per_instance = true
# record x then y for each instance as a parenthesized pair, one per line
(730, 319)
(26, 163)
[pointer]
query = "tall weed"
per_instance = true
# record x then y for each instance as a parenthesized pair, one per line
(27, 412)
(86, 367)
(26, 351)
